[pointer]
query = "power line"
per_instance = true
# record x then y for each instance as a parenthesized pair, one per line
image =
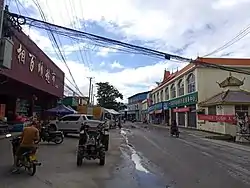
(145, 51)
(57, 45)
(238, 37)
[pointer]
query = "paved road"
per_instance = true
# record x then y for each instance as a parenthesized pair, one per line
(59, 166)
(138, 158)
(191, 161)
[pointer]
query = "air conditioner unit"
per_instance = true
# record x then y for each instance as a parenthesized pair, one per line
(6, 47)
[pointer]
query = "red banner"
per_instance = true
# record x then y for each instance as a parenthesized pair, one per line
(218, 118)
(181, 109)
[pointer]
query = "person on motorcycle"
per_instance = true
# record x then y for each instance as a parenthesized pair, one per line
(29, 137)
(174, 126)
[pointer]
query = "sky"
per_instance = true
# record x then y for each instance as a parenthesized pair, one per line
(187, 28)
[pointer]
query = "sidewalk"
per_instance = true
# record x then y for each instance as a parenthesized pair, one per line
(13, 134)
(193, 132)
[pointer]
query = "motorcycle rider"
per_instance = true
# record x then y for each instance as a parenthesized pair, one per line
(29, 137)
(174, 127)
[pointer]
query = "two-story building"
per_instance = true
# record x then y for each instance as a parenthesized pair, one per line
(178, 95)
(135, 105)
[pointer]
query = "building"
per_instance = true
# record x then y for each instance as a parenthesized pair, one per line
(135, 105)
(179, 94)
(33, 82)
(144, 110)
(221, 110)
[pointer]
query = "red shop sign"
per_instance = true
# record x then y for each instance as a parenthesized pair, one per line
(181, 109)
(217, 118)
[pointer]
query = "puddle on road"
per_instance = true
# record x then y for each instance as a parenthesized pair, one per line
(144, 177)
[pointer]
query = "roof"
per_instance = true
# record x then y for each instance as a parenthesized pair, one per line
(226, 61)
(228, 97)
(219, 61)
(145, 92)
(231, 81)
(168, 78)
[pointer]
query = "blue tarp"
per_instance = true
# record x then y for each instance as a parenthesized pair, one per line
(61, 109)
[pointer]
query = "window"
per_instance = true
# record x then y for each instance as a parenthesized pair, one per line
(162, 97)
(166, 94)
(241, 110)
(191, 83)
(70, 118)
(212, 110)
(173, 91)
(181, 88)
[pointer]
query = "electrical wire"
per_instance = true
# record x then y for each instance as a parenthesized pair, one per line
(57, 46)
(238, 37)
(102, 40)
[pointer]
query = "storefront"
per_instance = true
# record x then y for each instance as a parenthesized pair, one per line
(183, 109)
(166, 113)
(156, 113)
(33, 83)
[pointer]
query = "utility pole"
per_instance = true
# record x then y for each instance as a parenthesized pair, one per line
(92, 93)
(90, 85)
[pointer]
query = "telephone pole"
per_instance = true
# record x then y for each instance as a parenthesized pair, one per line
(92, 93)
(90, 85)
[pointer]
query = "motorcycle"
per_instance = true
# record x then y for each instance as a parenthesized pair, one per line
(174, 131)
(51, 136)
(28, 160)
(91, 143)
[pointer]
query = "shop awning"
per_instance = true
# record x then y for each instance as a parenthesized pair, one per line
(111, 111)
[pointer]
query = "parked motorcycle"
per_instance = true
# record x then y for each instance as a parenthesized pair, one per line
(91, 143)
(51, 136)
(28, 160)
(174, 131)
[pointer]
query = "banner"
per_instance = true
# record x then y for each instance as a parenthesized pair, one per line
(218, 118)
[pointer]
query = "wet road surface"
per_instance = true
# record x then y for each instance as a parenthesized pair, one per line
(138, 158)
(190, 161)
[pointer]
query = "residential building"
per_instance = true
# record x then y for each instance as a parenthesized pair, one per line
(135, 105)
(179, 94)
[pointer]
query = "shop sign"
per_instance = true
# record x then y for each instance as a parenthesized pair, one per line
(165, 105)
(185, 100)
(181, 109)
(151, 108)
(218, 118)
(36, 66)
(157, 106)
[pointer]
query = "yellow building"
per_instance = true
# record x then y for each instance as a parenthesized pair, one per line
(180, 93)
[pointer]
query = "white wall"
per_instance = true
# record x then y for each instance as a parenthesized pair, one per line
(207, 78)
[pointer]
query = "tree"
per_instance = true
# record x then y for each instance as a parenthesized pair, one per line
(107, 96)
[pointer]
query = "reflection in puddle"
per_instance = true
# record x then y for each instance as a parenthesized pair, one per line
(145, 178)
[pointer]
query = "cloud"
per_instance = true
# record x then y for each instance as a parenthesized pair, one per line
(190, 28)
(116, 65)
(105, 51)
(102, 64)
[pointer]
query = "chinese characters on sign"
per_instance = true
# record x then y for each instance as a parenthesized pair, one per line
(42, 71)
(218, 118)
(186, 100)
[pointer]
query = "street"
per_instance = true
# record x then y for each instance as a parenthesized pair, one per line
(138, 158)
(59, 167)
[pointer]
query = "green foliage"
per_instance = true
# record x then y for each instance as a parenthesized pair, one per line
(107, 96)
